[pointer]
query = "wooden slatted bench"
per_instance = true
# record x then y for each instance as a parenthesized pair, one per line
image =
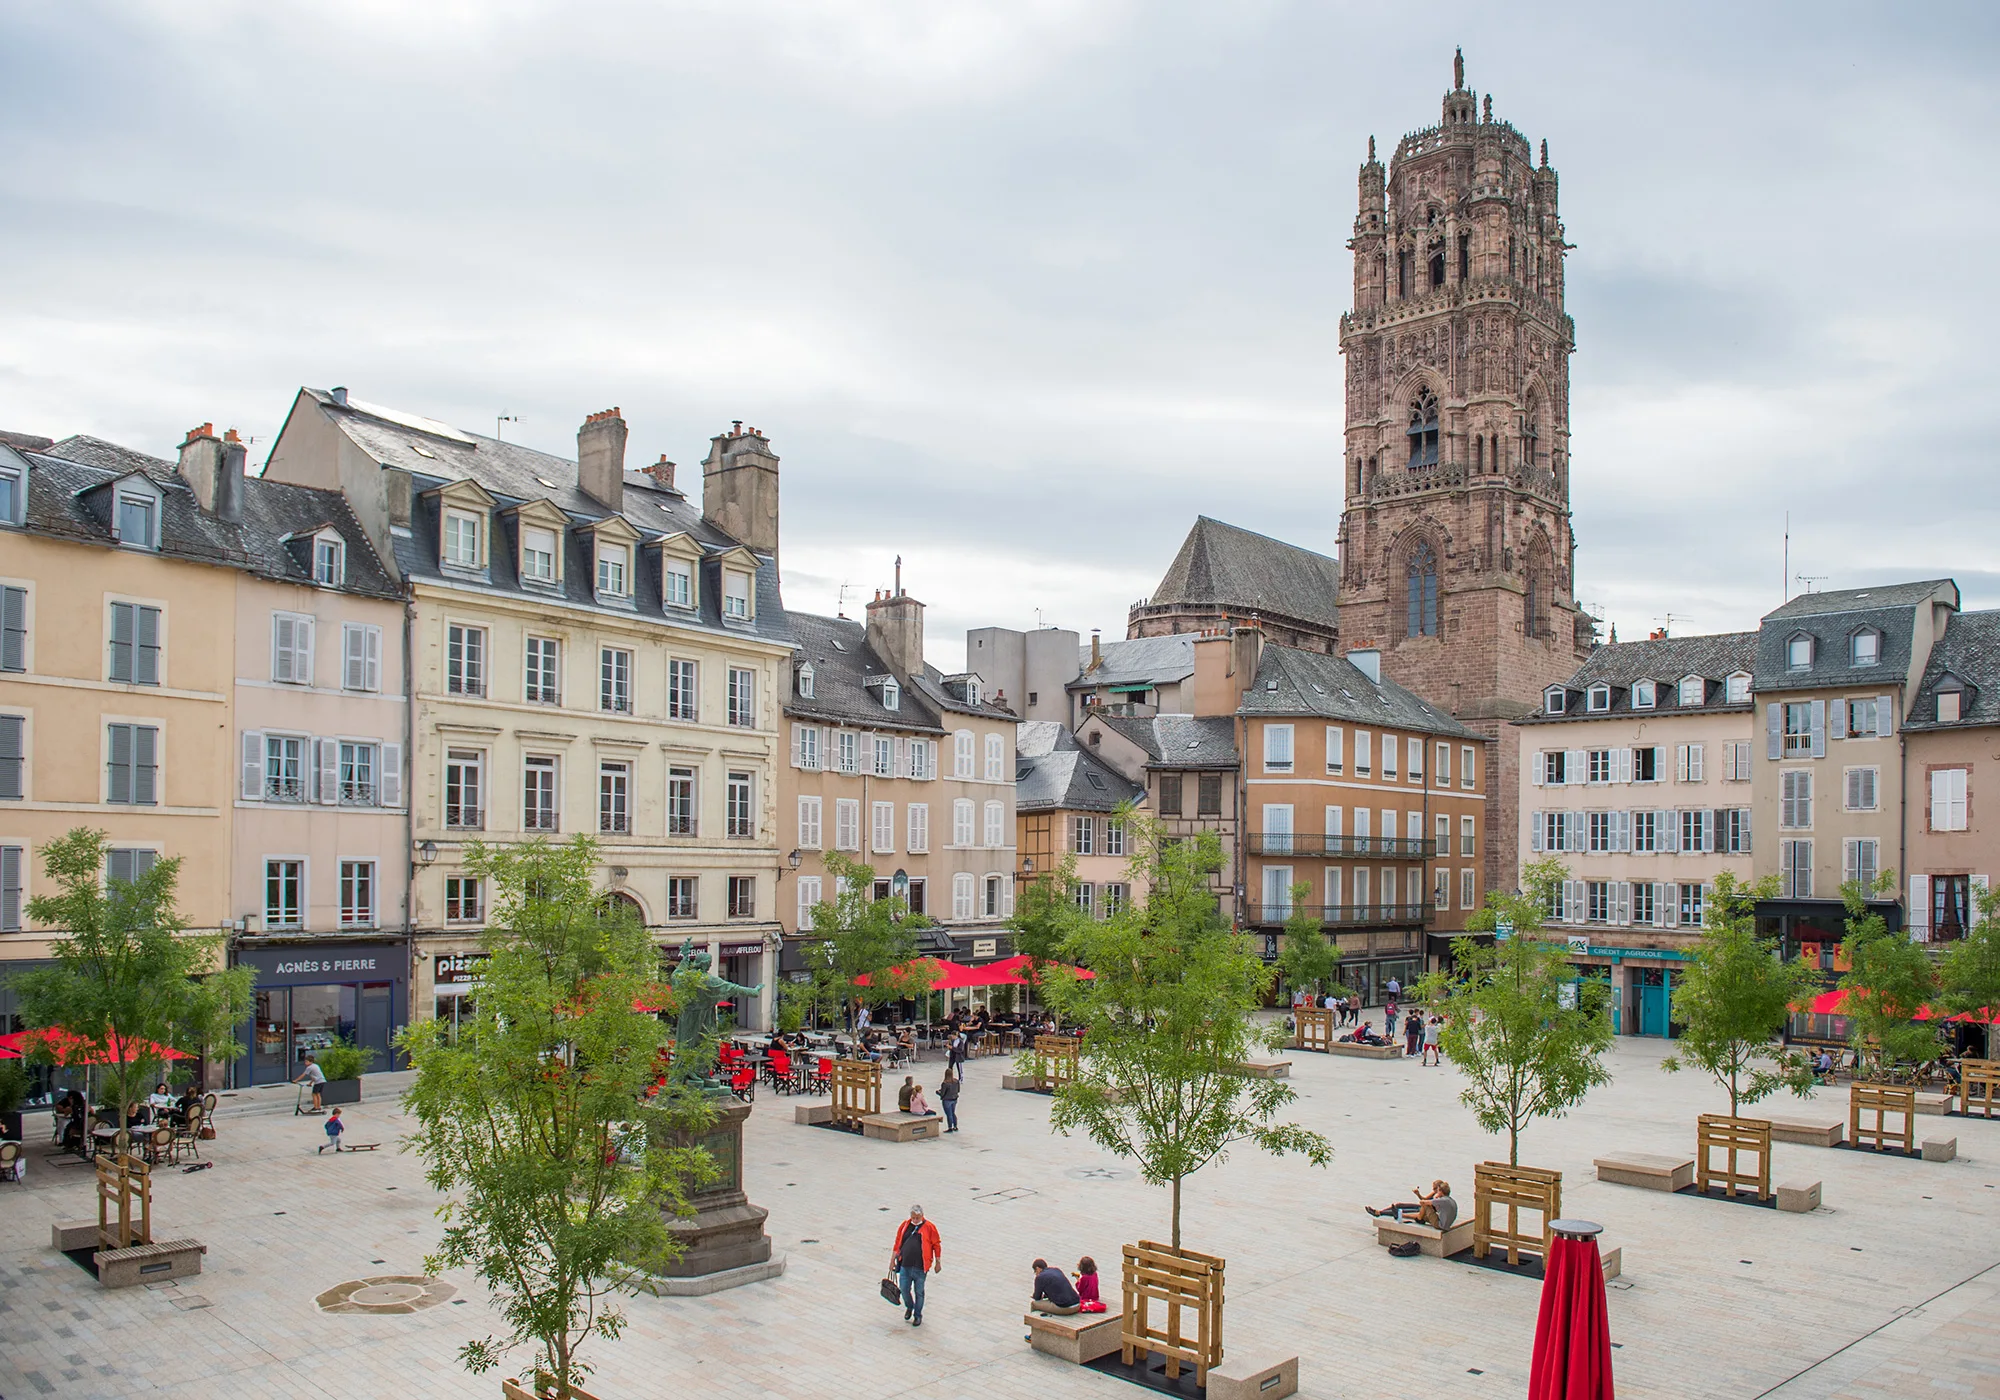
(1648, 1170)
(1366, 1052)
(1077, 1339)
(1812, 1132)
(902, 1127)
(149, 1263)
(1429, 1241)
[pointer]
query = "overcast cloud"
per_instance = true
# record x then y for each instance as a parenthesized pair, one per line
(1018, 288)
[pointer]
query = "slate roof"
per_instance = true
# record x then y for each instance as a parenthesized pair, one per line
(1221, 565)
(1832, 619)
(1137, 660)
(1052, 772)
(1037, 737)
(1666, 662)
(1176, 742)
(842, 662)
(96, 452)
(947, 693)
(1291, 682)
(1969, 651)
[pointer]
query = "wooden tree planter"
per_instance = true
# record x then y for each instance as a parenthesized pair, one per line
(1718, 1132)
(1978, 1083)
(545, 1389)
(1055, 1061)
(1315, 1029)
(857, 1091)
(1882, 1101)
(122, 1182)
(1498, 1187)
(1179, 1281)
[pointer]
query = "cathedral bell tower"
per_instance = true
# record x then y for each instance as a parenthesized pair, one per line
(1455, 543)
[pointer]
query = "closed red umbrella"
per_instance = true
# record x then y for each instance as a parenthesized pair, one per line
(1573, 1333)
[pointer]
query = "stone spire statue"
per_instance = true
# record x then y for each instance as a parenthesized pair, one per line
(1458, 71)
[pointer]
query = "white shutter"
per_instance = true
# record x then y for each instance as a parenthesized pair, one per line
(1670, 839)
(1621, 908)
(1621, 831)
(1535, 769)
(903, 769)
(1695, 755)
(253, 765)
(1667, 905)
(1680, 763)
(1836, 722)
(354, 656)
(326, 760)
(1774, 730)
(1940, 800)
(1535, 832)
(1624, 765)
(282, 646)
(1919, 917)
(1573, 905)
(1575, 766)
(798, 743)
(372, 672)
(389, 782)
(1819, 729)
(1885, 716)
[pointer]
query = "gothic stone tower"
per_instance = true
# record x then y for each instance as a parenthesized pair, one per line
(1455, 542)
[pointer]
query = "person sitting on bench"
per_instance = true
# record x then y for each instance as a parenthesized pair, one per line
(1364, 1034)
(1054, 1293)
(919, 1106)
(1434, 1208)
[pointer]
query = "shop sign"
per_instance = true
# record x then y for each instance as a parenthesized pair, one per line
(459, 969)
(985, 947)
(742, 950)
(305, 965)
(1583, 948)
(1503, 930)
(1579, 943)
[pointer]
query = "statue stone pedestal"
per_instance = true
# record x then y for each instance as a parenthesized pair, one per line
(724, 1240)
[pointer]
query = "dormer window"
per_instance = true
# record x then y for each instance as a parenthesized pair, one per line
(1598, 699)
(736, 595)
(461, 539)
(1950, 700)
(1799, 653)
(972, 692)
(612, 572)
(806, 681)
(892, 695)
(1694, 691)
(677, 584)
(1736, 689)
(138, 520)
(13, 490)
(1643, 695)
(538, 555)
(1865, 647)
(1555, 700)
(329, 562)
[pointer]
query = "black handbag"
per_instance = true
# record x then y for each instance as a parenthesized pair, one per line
(891, 1293)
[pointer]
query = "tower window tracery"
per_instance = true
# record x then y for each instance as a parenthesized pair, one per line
(1465, 257)
(1420, 579)
(1423, 432)
(1437, 264)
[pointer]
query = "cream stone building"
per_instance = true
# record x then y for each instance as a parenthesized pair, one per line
(1639, 781)
(1071, 804)
(1951, 743)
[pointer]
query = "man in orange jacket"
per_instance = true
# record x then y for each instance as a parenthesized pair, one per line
(917, 1251)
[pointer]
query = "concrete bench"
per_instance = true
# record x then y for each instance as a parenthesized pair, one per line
(1025, 1082)
(149, 1263)
(1812, 1132)
(1940, 1149)
(1646, 1169)
(1612, 1261)
(73, 1234)
(1429, 1241)
(1798, 1197)
(1267, 1069)
(1078, 1338)
(1253, 1376)
(812, 1114)
(902, 1127)
(1366, 1052)
(1936, 1104)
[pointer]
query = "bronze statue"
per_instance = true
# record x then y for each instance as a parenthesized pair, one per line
(699, 991)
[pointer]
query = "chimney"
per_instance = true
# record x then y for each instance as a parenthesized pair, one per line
(1368, 661)
(600, 458)
(896, 631)
(1096, 648)
(201, 464)
(662, 473)
(338, 394)
(1246, 649)
(739, 488)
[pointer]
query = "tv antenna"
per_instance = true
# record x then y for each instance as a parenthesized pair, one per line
(503, 418)
(1810, 579)
(840, 602)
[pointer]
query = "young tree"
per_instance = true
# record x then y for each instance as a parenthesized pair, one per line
(1308, 959)
(1168, 1020)
(1970, 976)
(542, 1119)
(125, 979)
(856, 935)
(1734, 997)
(1046, 916)
(1889, 979)
(1525, 1033)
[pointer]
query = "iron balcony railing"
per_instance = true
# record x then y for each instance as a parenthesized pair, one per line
(1343, 915)
(1294, 843)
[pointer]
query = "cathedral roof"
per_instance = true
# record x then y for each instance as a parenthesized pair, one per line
(1221, 565)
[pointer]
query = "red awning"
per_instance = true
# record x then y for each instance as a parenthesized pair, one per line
(67, 1049)
(1008, 972)
(944, 970)
(1829, 1004)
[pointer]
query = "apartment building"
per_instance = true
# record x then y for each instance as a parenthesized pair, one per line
(1370, 796)
(1951, 744)
(1071, 804)
(588, 652)
(1187, 770)
(1835, 675)
(1639, 780)
(903, 768)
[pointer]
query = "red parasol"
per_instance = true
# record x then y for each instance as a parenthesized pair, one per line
(66, 1048)
(1008, 972)
(1830, 1003)
(941, 970)
(1573, 1334)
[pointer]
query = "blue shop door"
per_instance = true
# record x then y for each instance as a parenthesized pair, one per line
(1655, 990)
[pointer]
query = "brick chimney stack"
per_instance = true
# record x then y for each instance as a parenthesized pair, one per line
(600, 458)
(739, 488)
(213, 469)
(662, 473)
(896, 628)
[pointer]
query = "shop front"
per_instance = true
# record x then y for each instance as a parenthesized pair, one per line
(312, 995)
(1642, 983)
(455, 979)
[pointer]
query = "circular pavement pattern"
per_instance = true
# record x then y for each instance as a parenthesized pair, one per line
(385, 1293)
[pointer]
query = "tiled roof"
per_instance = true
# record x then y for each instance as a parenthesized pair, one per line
(1178, 741)
(1292, 682)
(842, 663)
(1831, 620)
(1036, 737)
(1970, 653)
(1058, 775)
(1152, 660)
(112, 456)
(1843, 600)
(1223, 566)
(947, 693)
(1666, 662)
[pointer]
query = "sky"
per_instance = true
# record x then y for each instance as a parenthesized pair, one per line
(1017, 288)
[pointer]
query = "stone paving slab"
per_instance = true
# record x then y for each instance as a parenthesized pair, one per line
(1713, 1302)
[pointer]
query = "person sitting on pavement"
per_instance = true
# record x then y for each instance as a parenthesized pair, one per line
(1434, 1208)
(1054, 1293)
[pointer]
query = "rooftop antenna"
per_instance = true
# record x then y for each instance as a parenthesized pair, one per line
(1785, 578)
(503, 418)
(840, 603)
(1810, 579)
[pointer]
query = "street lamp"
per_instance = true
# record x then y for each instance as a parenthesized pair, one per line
(427, 852)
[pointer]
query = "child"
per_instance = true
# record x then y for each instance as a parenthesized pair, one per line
(333, 1131)
(1086, 1285)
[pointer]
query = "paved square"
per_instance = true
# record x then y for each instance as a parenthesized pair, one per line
(1889, 1279)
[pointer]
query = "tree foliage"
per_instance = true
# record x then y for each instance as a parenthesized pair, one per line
(1525, 1033)
(1168, 1020)
(541, 1120)
(1308, 959)
(1970, 976)
(856, 935)
(1889, 979)
(127, 978)
(1733, 998)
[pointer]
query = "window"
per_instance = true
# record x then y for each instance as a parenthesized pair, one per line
(538, 795)
(681, 896)
(1646, 832)
(464, 901)
(136, 515)
(1736, 689)
(961, 822)
(923, 758)
(846, 824)
(128, 865)
(681, 690)
(1388, 758)
(329, 563)
(809, 896)
(284, 894)
(1948, 799)
(882, 827)
(1861, 784)
(995, 831)
(1951, 905)
(1693, 898)
(1443, 765)
(1698, 831)
(1555, 700)
(13, 498)
(1555, 767)
(994, 905)
(1362, 764)
(1795, 866)
(1950, 703)
(291, 649)
(961, 754)
(463, 770)
(1441, 841)
(1441, 889)
(614, 798)
(1643, 695)
(1208, 795)
(12, 865)
(1694, 692)
(358, 767)
(1688, 763)
(1336, 754)
(805, 746)
(1865, 647)
(996, 759)
(1642, 902)
(13, 629)
(1734, 837)
(1598, 832)
(1862, 717)
(742, 896)
(1736, 761)
(1420, 584)
(461, 540)
(1597, 901)
(892, 695)
(544, 665)
(963, 893)
(1646, 765)
(135, 644)
(1085, 896)
(1467, 837)
(919, 828)
(1114, 836)
(1799, 653)
(1414, 752)
(1170, 794)
(1403, 257)
(357, 894)
(1277, 748)
(1597, 699)
(1798, 729)
(13, 757)
(1466, 776)
(809, 822)
(284, 768)
(847, 752)
(742, 698)
(465, 660)
(611, 570)
(614, 680)
(677, 584)
(1082, 836)
(740, 816)
(806, 681)
(360, 657)
(134, 764)
(1423, 431)
(1599, 766)
(538, 556)
(885, 757)
(735, 594)
(680, 802)
(1468, 889)
(1795, 799)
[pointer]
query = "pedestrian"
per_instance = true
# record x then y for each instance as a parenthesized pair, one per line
(1389, 1020)
(918, 1250)
(1394, 990)
(1433, 1041)
(334, 1128)
(312, 1074)
(955, 1055)
(948, 1096)
(1413, 1033)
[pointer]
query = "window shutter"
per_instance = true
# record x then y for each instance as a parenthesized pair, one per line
(1743, 831)
(1774, 730)
(145, 764)
(121, 642)
(1621, 831)
(1621, 911)
(1535, 833)
(389, 781)
(1940, 800)
(253, 765)
(1819, 729)
(1624, 765)
(13, 737)
(281, 648)
(120, 788)
(1920, 908)
(1574, 769)
(146, 655)
(1535, 769)
(327, 761)
(1837, 720)
(1573, 904)
(798, 746)
(1711, 826)
(13, 629)
(10, 888)
(302, 652)
(1672, 836)
(1573, 831)
(1885, 716)
(371, 678)
(1696, 753)
(1667, 904)
(353, 652)
(1680, 763)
